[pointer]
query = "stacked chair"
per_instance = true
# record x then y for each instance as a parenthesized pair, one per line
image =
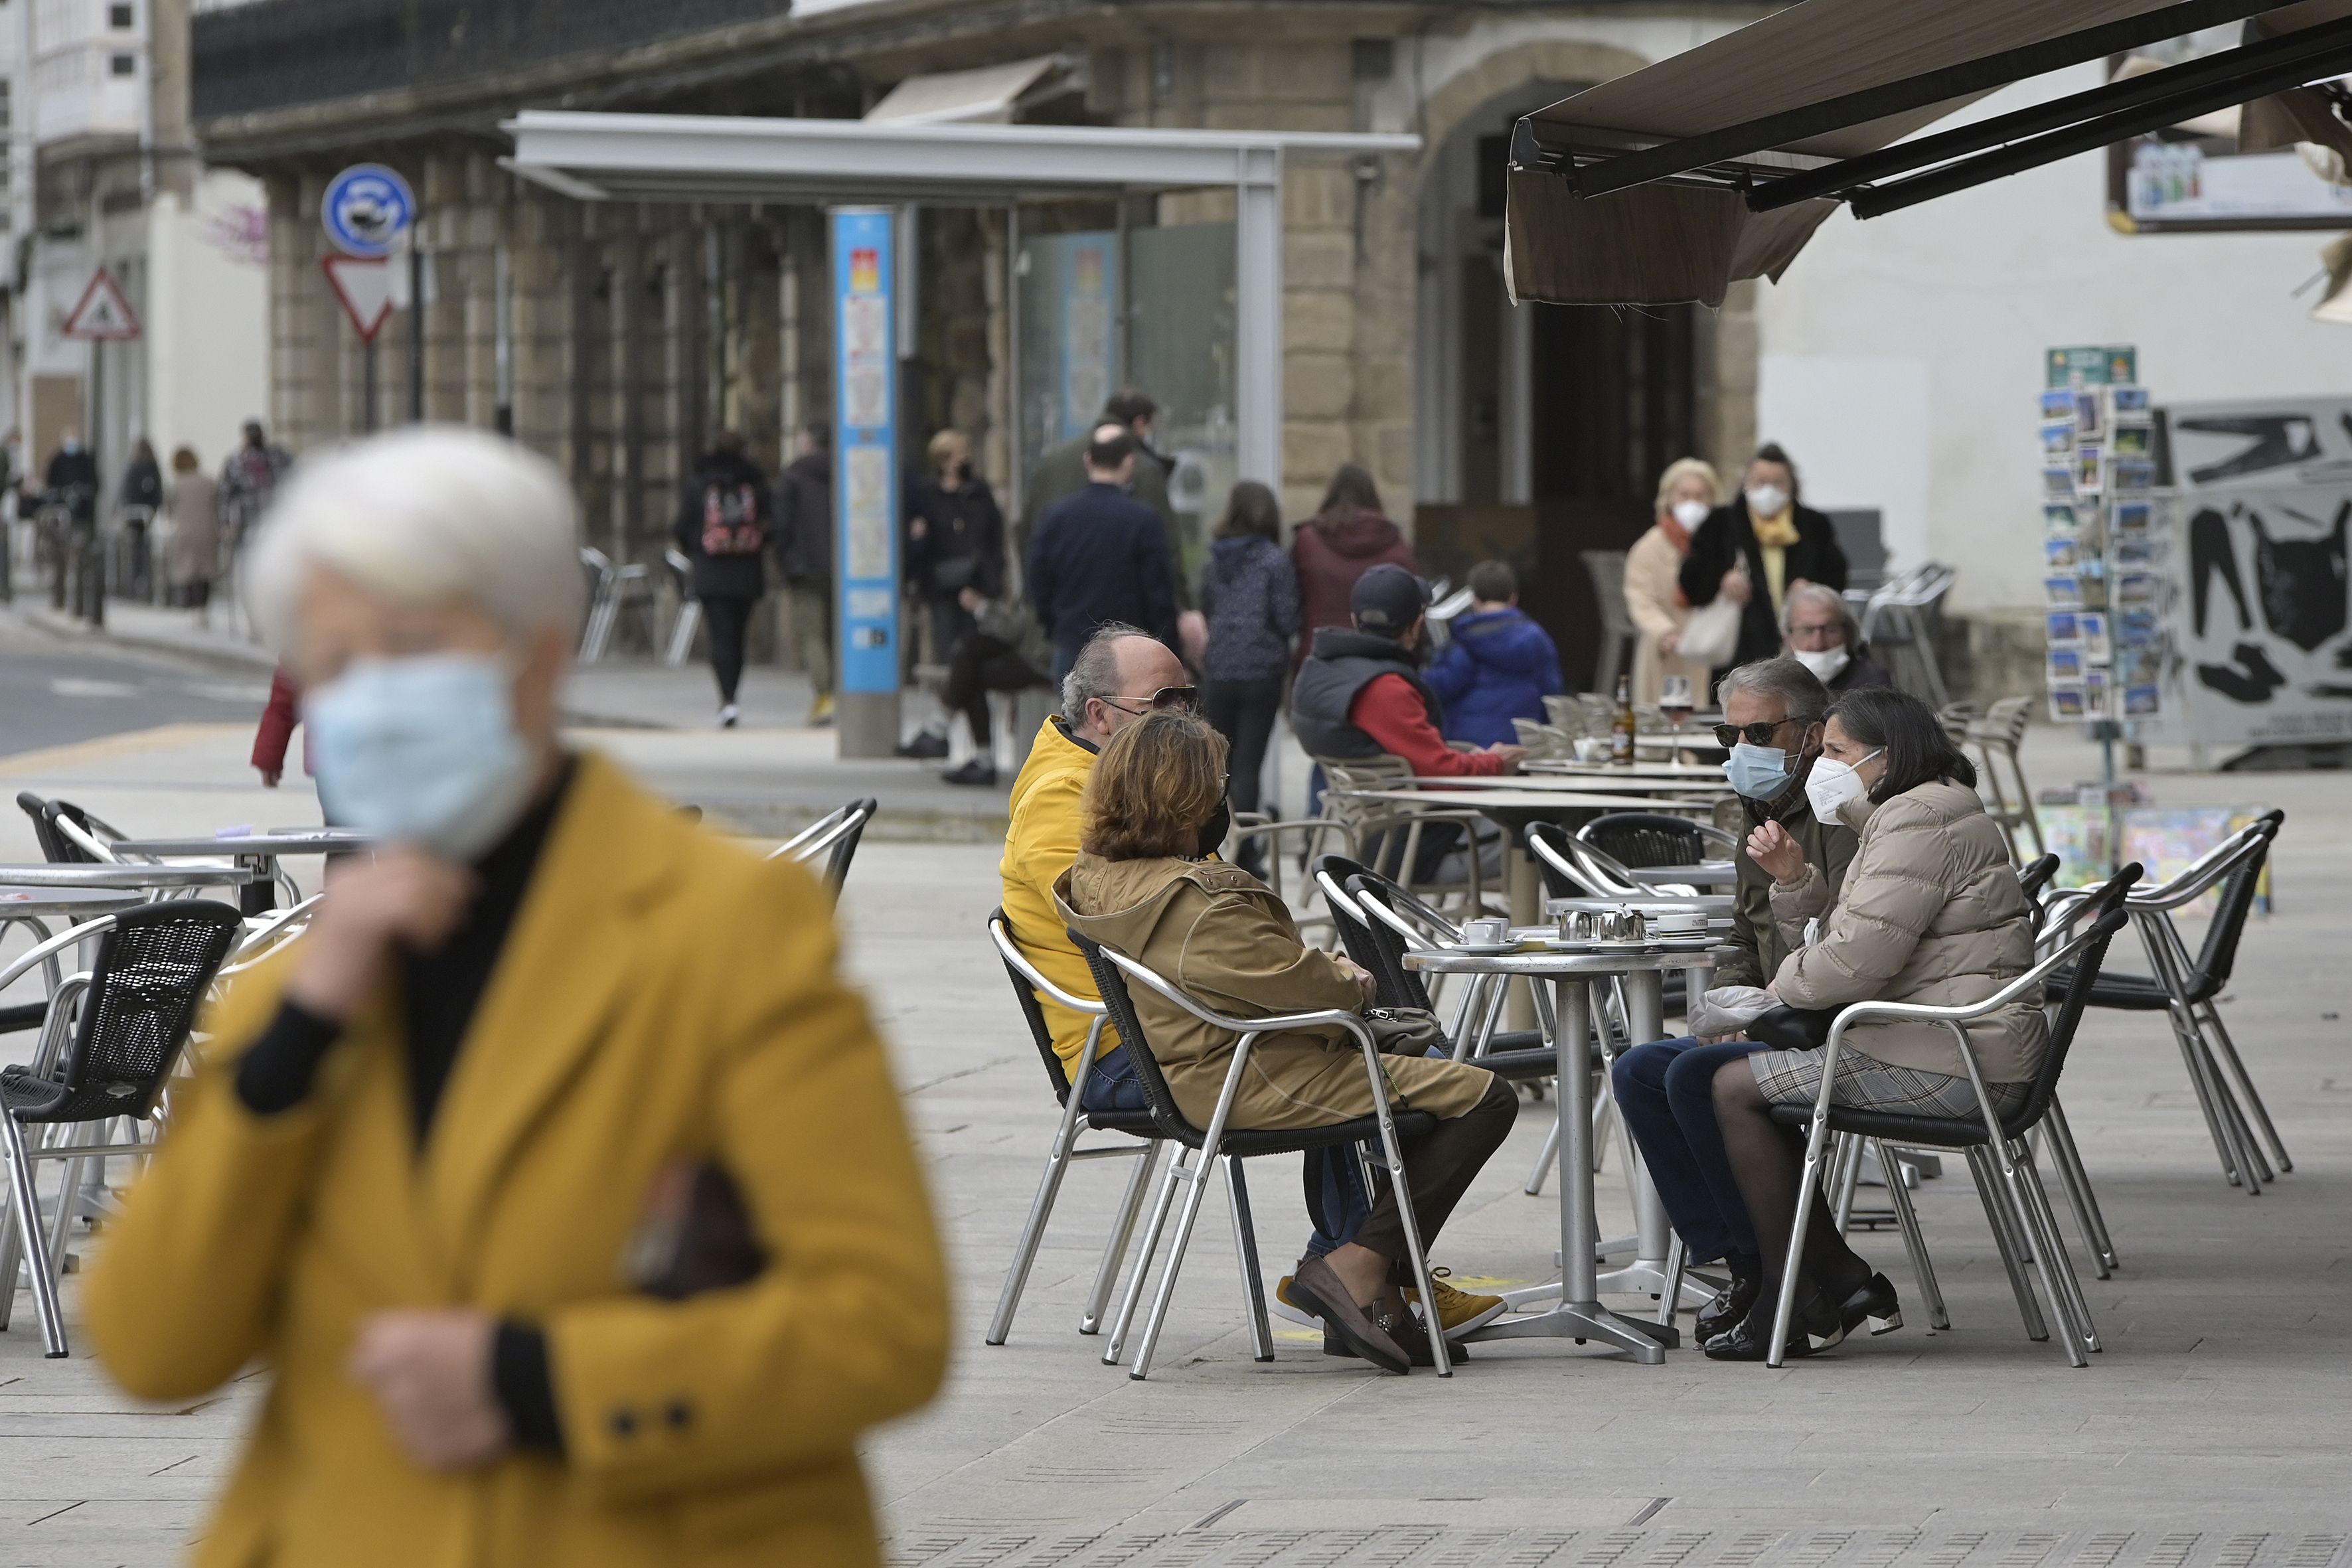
(834, 837)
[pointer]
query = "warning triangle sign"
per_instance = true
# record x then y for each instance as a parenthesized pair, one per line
(364, 286)
(103, 312)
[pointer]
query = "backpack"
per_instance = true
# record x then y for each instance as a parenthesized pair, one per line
(731, 521)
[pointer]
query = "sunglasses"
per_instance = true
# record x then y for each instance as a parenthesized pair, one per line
(1167, 700)
(1757, 734)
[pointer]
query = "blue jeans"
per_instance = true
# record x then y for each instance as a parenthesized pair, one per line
(1665, 1091)
(1337, 1202)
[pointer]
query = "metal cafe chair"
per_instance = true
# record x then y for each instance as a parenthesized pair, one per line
(68, 835)
(128, 1017)
(1996, 733)
(834, 835)
(689, 608)
(1637, 839)
(2025, 1230)
(1201, 1148)
(1027, 981)
(2057, 1135)
(1391, 833)
(2187, 990)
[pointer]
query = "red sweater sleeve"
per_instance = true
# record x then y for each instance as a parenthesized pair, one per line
(1391, 711)
(277, 722)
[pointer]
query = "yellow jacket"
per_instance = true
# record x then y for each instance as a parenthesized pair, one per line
(661, 995)
(1039, 845)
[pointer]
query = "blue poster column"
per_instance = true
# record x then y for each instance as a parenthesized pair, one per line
(866, 480)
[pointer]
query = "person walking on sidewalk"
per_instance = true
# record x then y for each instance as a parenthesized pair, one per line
(1101, 556)
(804, 552)
(1249, 592)
(249, 479)
(722, 528)
(1349, 536)
(955, 561)
(193, 503)
(1061, 473)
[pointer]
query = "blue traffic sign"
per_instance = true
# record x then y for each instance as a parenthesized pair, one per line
(366, 208)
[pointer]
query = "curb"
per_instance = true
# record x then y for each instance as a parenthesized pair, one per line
(227, 655)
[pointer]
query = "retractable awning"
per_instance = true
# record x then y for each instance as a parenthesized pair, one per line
(1672, 183)
(985, 95)
(708, 157)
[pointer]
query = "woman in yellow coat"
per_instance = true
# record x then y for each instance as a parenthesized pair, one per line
(412, 1177)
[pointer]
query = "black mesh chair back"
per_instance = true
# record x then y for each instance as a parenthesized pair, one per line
(1034, 1012)
(1638, 838)
(56, 848)
(151, 976)
(1240, 1142)
(1399, 986)
(2235, 902)
(1338, 870)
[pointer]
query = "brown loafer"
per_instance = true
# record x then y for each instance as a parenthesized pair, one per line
(1314, 1287)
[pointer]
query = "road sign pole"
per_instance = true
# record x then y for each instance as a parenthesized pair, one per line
(865, 484)
(369, 391)
(416, 329)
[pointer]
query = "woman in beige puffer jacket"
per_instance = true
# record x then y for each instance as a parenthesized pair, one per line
(1932, 913)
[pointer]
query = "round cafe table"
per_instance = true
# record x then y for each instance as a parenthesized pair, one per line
(1580, 1315)
(70, 874)
(256, 852)
(35, 904)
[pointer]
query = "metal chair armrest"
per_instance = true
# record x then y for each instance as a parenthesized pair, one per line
(2204, 876)
(70, 937)
(1354, 1023)
(1012, 953)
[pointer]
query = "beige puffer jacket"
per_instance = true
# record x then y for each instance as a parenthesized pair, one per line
(1931, 913)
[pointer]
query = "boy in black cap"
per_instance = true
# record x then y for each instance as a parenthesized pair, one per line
(1360, 693)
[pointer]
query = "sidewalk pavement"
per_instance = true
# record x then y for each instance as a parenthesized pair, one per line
(2210, 1433)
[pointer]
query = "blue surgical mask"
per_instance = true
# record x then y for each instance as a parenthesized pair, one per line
(1760, 772)
(421, 751)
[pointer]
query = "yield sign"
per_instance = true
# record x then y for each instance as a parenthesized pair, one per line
(364, 286)
(102, 312)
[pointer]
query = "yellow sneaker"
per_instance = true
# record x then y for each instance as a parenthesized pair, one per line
(1458, 1311)
(1283, 1307)
(820, 711)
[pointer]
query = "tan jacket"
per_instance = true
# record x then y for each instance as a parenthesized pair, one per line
(1655, 599)
(1931, 913)
(1215, 932)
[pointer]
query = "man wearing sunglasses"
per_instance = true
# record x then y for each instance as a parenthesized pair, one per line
(1773, 710)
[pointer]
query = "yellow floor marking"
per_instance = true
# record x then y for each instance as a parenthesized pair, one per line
(53, 759)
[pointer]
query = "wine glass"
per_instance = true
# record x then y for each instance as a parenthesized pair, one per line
(1674, 702)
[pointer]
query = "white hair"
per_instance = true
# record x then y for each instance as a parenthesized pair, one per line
(430, 512)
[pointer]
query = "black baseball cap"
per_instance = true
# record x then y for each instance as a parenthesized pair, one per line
(1388, 599)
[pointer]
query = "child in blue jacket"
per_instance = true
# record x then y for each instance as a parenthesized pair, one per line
(1500, 665)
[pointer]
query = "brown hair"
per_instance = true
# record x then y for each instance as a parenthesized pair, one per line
(1155, 783)
(1353, 494)
(1251, 511)
(183, 461)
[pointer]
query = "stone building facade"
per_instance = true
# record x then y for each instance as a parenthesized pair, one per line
(631, 332)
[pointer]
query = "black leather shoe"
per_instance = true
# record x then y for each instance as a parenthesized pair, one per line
(1874, 1304)
(1817, 1327)
(979, 771)
(1414, 1340)
(930, 745)
(1731, 1303)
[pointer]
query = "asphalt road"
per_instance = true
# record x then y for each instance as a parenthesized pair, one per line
(55, 691)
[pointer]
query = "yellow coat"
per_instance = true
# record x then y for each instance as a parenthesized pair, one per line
(1040, 844)
(661, 995)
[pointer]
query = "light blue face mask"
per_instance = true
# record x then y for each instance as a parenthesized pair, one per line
(421, 751)
(1760, 772)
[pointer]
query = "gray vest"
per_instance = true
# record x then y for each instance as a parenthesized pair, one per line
(1344, 662)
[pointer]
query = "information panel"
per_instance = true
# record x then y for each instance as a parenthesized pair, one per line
(866, 477)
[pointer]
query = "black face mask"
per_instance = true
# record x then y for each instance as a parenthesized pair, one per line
(1213, 831)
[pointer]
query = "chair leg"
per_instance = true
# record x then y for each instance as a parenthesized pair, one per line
(1196, 1177)
(28, 1226)
(1033, 1231)
(1138, 1182)
(2049, 1258)
(2007, 1242)
(1142, 1269)
(12, 1255)
(2045, 1219)
(2078, 1200)
(2069, 1157)
(1245, 1254)
(1677, 1258)
(1543, 1160)
(1849, 1179)
(1415, 1255)
(1915, 1242)
(2227, 1049)
(1784, 1312)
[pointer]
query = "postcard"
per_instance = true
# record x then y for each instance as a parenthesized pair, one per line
(2064, 628)
(2066, 702)
(2058, 483)
(2058, 404)
(2128, 400)
(2092, 625)
(2142, 701)
(2132, 476)
(2057, 438)
(2063, 592)
(2057, 519)
(2062, 553)
(2065, 664)
(2132, 516)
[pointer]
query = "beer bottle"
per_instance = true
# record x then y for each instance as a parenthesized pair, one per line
(1620, 735)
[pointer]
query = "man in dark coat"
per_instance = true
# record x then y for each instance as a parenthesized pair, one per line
(1062, 473)
(1100, 556)
(724, 520)
(804, 552)
(71, 479)
(1758, 548)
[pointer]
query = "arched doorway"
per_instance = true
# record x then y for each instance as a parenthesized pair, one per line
(1540, 429)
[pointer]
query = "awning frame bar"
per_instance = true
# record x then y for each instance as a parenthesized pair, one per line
(2316, 57)
(2168, 86)
(1973, 76)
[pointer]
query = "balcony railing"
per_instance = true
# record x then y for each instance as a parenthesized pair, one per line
(284, 54)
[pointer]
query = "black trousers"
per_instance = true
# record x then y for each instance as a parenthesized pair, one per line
(1438, 1170)
(1244, 712)
(979, 665)
(727, 617)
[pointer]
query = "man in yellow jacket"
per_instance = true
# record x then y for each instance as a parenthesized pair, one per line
(1119, 674)
(554, 1174)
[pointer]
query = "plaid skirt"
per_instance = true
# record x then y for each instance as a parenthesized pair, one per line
(1864, 1083)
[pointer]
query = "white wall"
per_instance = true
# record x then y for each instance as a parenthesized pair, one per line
(1940, 314)
(209, 320)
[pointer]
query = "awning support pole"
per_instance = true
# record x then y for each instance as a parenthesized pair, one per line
(1258, 315)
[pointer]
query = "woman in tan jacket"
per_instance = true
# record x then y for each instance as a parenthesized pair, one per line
(1220, 934)
(1931, 914)
(1687, 491)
